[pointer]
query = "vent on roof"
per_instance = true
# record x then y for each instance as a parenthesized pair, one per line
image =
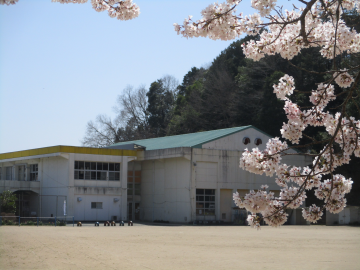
(246, 140)
(136, 146)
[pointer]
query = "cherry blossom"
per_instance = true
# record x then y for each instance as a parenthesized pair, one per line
(314, 24)
(286, 32)
(313, 214)
(8, 2)
(343, 79)
(120, 9)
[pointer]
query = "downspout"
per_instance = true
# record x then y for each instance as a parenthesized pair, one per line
(153, 192)
(190, 184)
(41, 183)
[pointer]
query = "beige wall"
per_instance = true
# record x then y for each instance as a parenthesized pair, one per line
(165, 190)
(226, 204)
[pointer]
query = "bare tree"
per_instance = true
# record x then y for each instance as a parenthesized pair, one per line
(132, 105)
(130, 122)
(170, 83)
(101, 133)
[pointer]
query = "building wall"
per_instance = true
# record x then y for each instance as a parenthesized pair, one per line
(169, 184)
(165, 190)
(14, 184)
(112, 194)
(219, 170)
(56, 184)
(54, 181)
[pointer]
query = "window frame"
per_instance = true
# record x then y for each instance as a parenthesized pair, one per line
(98, 205)
(7, 169)
(96, 171)
(205, 202)
(34, 171)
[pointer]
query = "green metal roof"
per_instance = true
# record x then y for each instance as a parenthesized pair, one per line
(194, 140)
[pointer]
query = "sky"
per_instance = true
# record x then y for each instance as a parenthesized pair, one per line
(61, 65)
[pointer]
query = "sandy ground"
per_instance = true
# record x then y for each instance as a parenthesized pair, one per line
(179, 247)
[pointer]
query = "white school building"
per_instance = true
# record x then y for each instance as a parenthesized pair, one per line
(180, 179)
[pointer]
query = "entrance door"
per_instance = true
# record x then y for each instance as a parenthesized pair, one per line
(344, 216)
(137, 211)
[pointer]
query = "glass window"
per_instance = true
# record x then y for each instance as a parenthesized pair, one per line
(8, 173)
(205, 205)
(87, 165)
(199, 191)
(99, 166)
(96, 171)
(137, 189)
(34, 172)
(96, 205)
(81, 165)
(114, 176)
(117, 167)
(93, 166)
(111, 167)
(105, 166)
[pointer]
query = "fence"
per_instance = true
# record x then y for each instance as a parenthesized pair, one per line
(37, 221)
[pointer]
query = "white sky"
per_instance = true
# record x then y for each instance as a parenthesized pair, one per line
(62, 65)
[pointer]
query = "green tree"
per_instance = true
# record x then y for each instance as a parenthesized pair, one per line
(8, 202)
(161, 100)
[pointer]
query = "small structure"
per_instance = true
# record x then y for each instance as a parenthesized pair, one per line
(350, 215)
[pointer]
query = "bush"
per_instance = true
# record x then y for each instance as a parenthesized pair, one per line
(60, 223)
(9, 222)
(7, 202)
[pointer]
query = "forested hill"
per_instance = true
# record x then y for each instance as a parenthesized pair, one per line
(233, 91)
(236, 91)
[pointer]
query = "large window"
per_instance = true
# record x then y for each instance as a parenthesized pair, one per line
(134, 183)
(33, 172)
(96, 205)
(205, 202)
(97, 171)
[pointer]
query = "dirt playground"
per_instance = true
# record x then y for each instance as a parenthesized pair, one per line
(179, 247)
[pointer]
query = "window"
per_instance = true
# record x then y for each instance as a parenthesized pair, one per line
(258, 141)
(0, 173)
(96, 171)
(33, 172)
(205, 202)
(8, 173)
(134, 183)
(246, 140)
(137, 189)
(96, 205)
(21, 176)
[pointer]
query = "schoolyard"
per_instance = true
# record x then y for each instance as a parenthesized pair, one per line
(179, 247)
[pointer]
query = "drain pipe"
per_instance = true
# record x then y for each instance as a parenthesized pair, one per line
(153, 192)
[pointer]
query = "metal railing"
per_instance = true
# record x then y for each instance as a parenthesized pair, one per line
(37, 221)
